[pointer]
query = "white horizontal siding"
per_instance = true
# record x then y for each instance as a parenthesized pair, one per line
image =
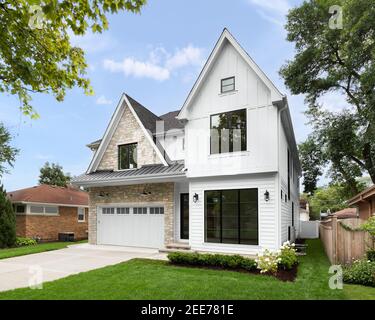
(268, 217)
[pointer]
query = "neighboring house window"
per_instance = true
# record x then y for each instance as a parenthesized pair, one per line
(231, 216)
(48, 210)
(156, 210)
(228, 132)
(81, 214)
(227, 85)
(20, 208)
(127, 156)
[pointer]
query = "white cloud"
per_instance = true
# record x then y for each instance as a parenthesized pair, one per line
(273, 11)
(138, 69)
(103, 100)
(159, 65)
(189, 55)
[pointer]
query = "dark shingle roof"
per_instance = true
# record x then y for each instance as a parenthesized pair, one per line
(146, 116)
(170, 121)
(149, 119)
(147, 171)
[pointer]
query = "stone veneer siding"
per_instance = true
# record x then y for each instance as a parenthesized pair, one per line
(48, 227)
(160, 193)
(128, 131)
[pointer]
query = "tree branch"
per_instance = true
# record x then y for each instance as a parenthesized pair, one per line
(358, 161)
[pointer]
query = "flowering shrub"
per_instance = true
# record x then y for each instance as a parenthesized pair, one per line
(21, 242)
(288, 256)
(360, 272)
(268, 261)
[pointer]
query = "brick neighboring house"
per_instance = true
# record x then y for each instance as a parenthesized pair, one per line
(365, 202)
(45, 211)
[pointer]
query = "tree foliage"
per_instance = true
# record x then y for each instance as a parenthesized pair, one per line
(35, 50)
(311, 163)
(7, 153)
(332, 197)
(54, 175)
(342, 61)
(7, 221)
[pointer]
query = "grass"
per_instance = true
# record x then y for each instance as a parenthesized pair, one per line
(148, 279)
(42, 247)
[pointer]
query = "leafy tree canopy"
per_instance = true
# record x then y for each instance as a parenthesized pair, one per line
(35, 50)
(54, 175)
(7, 221)
(7, 153)
(337, 60)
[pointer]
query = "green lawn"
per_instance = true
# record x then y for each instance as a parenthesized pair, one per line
(21, 251)
(148, 279)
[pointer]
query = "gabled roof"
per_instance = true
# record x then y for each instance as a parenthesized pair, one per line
(225, 37)
(50, 194)
(143, 116)
(346, 213)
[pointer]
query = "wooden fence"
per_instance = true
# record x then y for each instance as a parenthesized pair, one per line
(341, 243)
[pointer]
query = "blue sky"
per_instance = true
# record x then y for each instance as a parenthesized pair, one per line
(155, 57)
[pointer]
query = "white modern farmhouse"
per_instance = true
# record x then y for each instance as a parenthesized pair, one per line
(220, 175)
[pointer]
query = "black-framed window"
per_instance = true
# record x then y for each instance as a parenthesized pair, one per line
(127, 156)
(228, 132)
(227, 85)
(231, 216)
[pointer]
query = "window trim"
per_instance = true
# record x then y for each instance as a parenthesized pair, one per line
(118, 155)
(239, 215)
(234, 85)
(84, 215)
(28, 210)
(246, 132)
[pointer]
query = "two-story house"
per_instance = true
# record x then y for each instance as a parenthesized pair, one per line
(220, 175)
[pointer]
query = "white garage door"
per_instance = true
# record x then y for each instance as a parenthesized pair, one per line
(125, 225)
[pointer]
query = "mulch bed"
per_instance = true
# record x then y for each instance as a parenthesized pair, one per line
(282, 275)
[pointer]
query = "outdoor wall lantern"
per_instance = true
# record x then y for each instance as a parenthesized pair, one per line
(267, 196)
(195, 197)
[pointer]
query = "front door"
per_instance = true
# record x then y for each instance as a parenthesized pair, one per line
(184, 216)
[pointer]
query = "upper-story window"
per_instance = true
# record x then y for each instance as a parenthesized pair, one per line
(228, 132)
(127, 156)
(228, 84)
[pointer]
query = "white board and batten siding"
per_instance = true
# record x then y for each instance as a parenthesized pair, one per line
(286, 205)
(250, 94)
(267, 212)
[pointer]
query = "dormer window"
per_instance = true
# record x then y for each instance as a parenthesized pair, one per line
(127, 156)
(227, 85)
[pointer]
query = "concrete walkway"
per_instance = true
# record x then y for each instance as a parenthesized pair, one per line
(32, 269)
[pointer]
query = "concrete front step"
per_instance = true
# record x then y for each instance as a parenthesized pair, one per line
(166, 250)
(178, 246)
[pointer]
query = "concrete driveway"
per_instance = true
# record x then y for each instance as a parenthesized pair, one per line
(32, 269)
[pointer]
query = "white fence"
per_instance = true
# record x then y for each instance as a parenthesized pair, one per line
(309, 229)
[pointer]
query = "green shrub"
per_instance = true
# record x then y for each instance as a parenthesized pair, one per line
(7, 221)
(360, 272)
(22, 242)
(212, 260)
(371, 255)
(268, 261)
(288, 256)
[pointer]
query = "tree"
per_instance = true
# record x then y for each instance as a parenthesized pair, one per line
(7, 153)
(311, 163)
(54, 175)
(337, 60)
(332, 197)
(35, 50)
(7, 221)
